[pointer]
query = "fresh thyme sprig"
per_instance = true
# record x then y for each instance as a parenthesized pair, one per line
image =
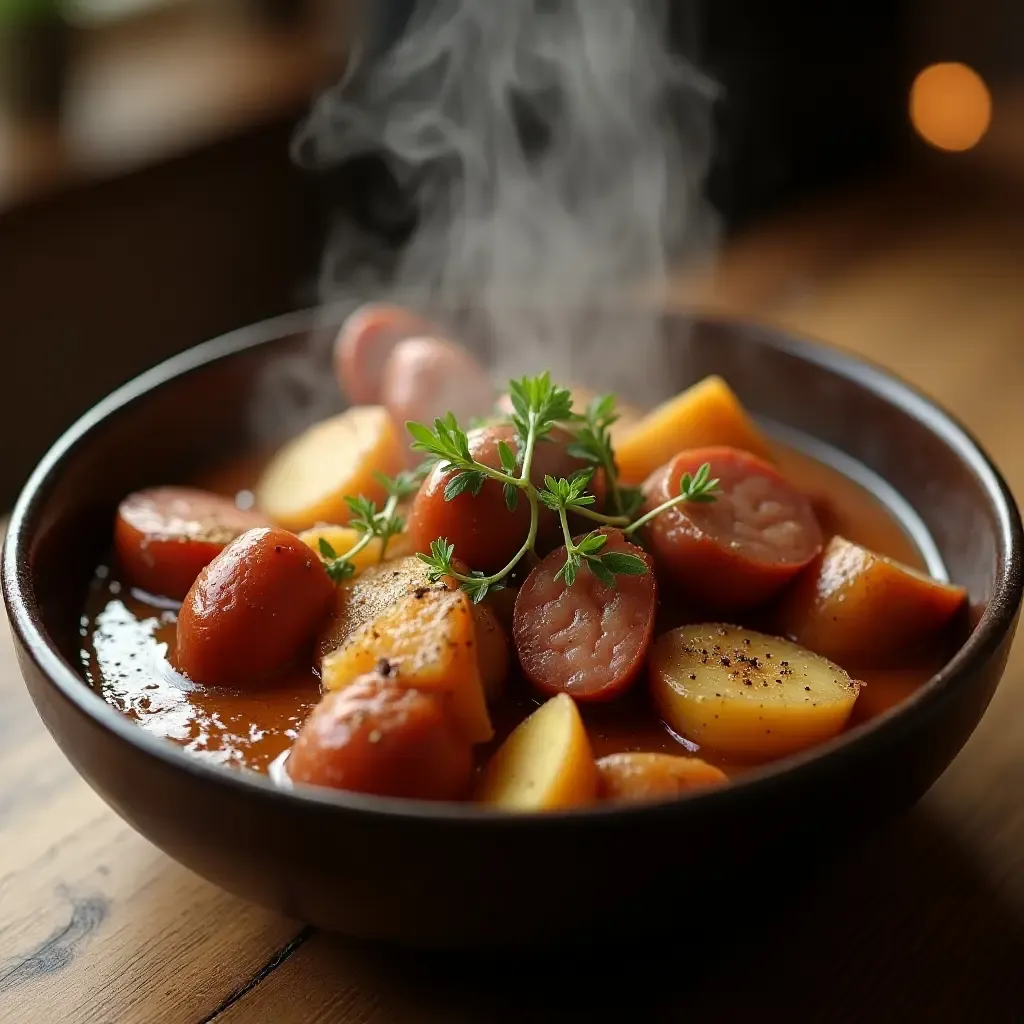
(699, 488)
(565, 496)
(370, 522)
(593, 443)
(440, 563)
(538, 405)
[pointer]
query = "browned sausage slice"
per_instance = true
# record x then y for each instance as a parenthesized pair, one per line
(427, 377)
(253, 610)
(635, 777)
(363, 345)
(587, 640)
(376, 737)
(739, 550)
(165, 536)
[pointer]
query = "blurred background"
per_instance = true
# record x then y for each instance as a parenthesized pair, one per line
(868, 170)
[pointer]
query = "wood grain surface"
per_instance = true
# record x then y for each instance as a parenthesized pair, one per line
(924, 922)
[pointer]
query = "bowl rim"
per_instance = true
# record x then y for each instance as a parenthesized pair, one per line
(989, 632)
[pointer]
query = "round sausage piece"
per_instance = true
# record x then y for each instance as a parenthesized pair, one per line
(485, 533)
(376, 737)
(737, 551)
(427, 377)
(165, 536)
(253, 610)
(588, 640)
(363, 345)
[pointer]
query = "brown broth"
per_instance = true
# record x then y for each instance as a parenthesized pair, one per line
(126, 635)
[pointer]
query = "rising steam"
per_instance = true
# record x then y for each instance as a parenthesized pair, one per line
(553, 153)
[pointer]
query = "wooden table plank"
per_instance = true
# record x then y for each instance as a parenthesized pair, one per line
(95, 923)
(924, 921)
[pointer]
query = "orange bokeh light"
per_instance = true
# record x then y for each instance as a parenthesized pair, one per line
(950, 106)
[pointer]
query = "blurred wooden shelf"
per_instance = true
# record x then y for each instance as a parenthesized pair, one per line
(162, 86)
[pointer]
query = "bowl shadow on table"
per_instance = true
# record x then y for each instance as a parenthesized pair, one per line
(901, 926)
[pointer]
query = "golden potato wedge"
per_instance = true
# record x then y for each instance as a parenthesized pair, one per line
(863, 609)
(371, 593)
(377, 588)
(706, 414)
(342, 538)
(425, 640)
(307, 480)
(634, 777)
(545, 765)
(746, 694)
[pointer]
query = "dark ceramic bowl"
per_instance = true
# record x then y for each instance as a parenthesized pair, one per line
(453, 875)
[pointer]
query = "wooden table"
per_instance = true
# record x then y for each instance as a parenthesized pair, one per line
(925, 922)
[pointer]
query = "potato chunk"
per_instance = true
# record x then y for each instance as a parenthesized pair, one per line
(545, 765)
(425, 640)
(708, 413)
(307, 480)
(864, 609)
(746, 694)
(371, 593)
(377, 588)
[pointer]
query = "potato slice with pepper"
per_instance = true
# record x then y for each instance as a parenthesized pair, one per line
(307, 480)
(425, 640)
(546, 764)
(746, 694)
(864, 609)
(708, 413)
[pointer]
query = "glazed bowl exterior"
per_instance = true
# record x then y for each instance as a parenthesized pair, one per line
(452, 875)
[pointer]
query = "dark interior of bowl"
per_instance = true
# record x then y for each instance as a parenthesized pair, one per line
(256, 386)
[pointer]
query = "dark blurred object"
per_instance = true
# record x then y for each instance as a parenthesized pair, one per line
(99, 282)
(35, 55)
(279, 14)
(813, 94)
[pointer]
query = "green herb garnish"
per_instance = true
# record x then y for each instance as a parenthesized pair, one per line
(538, 406)
(370, 522)
(593, 443)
